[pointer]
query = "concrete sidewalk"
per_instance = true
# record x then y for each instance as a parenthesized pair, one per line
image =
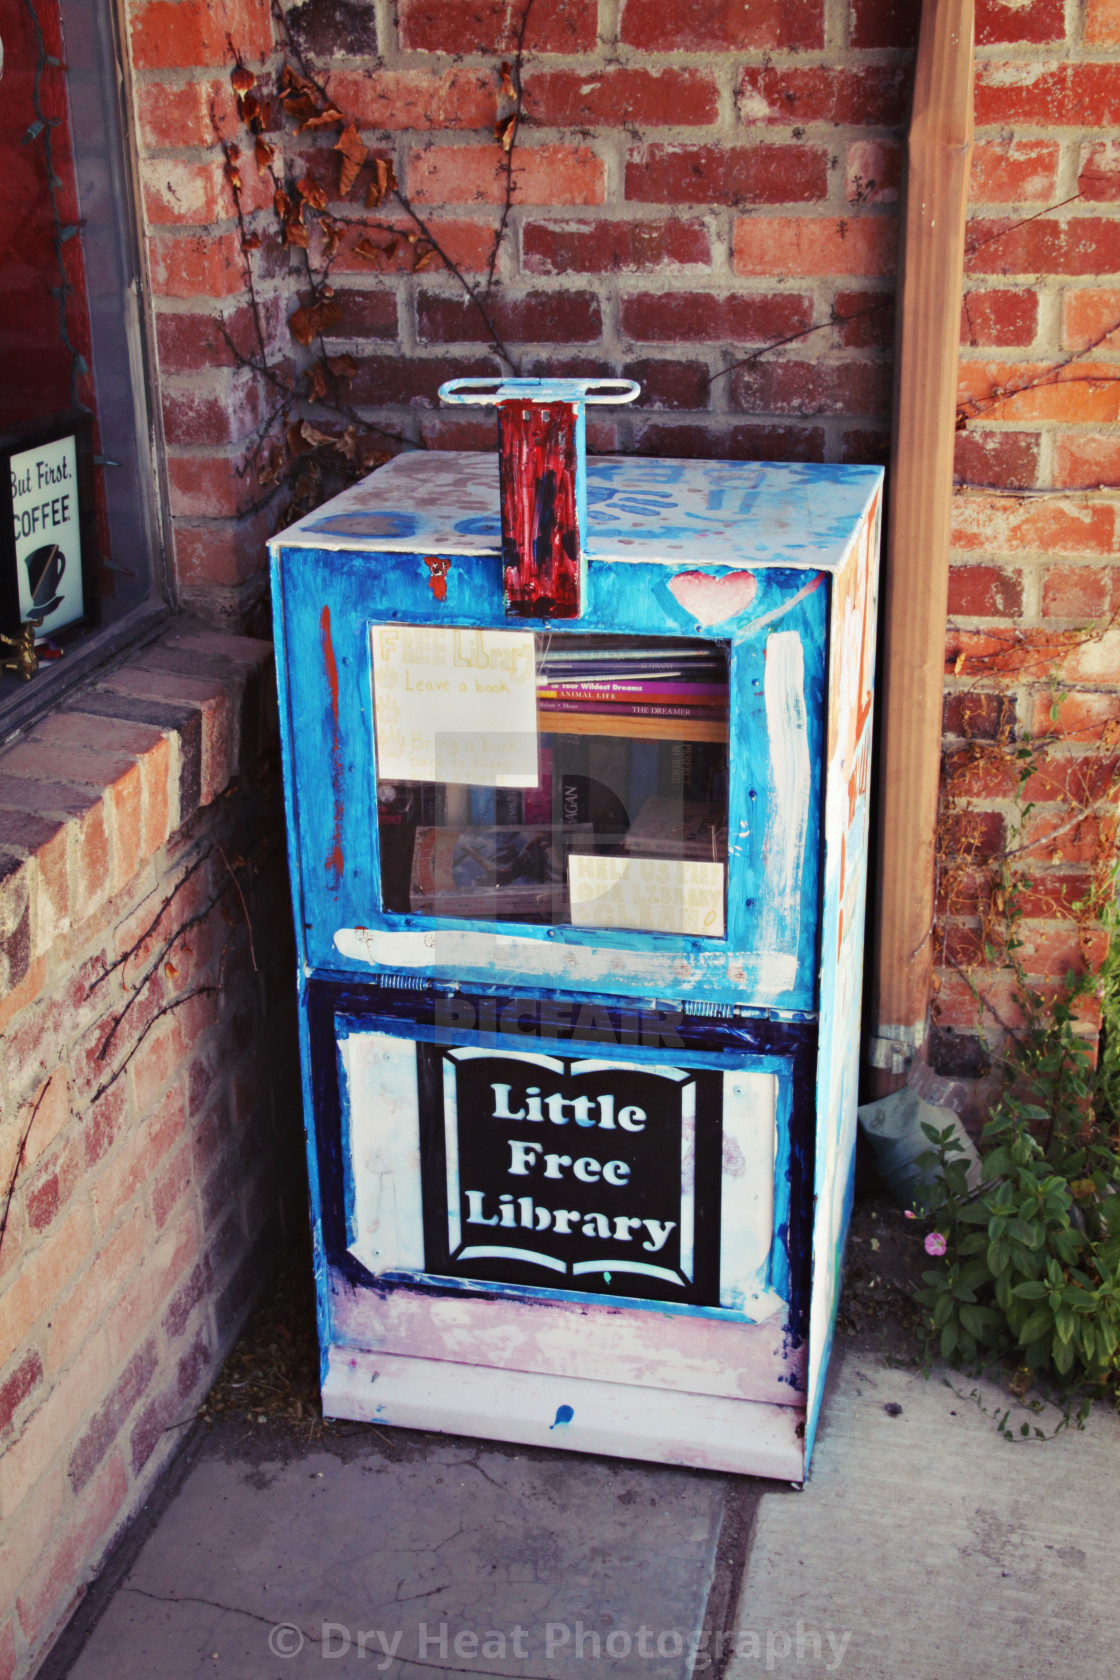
(925, 1547)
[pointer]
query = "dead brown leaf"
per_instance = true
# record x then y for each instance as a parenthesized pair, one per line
(370, 252)
(242, 78)
(282, 204)
(301, 326)
(425, 260)
(504, 130)
(265, 153)
(349, 444)
(312, 192)
(314, 318)
(385, 183)
(507, 89)
(316, 381)
(343, 367)
(271, 465)
(295, 233)
(290, 78)
(332, 233)
(349, 143)
(251, 242)
(301, 106)
(303, 437)
(326, 118)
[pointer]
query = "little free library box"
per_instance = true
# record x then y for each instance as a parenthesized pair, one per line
(576, 763)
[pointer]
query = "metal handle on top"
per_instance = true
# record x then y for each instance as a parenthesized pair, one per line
(481, 392)
(542, 475)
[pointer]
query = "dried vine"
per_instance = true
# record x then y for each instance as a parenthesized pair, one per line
(162, 962)
(833, 321)
(982, 891)
(17, 1164)
(164, 1009)
(313, 440)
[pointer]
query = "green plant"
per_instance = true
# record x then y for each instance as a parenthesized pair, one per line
(1029, 1264)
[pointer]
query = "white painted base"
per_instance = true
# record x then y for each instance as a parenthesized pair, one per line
(746, 1437)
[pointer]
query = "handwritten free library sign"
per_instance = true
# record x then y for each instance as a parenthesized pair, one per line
(455, 706)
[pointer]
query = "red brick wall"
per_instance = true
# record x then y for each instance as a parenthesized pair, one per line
(147, 1071)
(694, 182)
(691, 182)
(1032, 647)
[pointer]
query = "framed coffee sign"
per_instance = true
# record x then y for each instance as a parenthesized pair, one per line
(47, 532)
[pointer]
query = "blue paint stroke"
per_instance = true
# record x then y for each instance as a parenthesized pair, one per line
(386, 524)
(564, 1414)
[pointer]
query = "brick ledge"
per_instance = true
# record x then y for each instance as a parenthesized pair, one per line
(99, 784)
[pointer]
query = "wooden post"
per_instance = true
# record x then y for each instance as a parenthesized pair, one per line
(919, 514)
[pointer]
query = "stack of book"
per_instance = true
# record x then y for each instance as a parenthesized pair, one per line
(670, 691)
(684, 829)
(493, 874)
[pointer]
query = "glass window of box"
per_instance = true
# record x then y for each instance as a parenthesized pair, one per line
(620, 816)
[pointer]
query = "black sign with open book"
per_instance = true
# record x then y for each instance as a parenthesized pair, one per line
(571, 1174)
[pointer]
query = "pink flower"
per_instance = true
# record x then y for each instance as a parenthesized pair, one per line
(909, 1214)
(935, 1243)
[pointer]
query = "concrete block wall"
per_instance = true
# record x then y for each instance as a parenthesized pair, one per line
(149, 1122)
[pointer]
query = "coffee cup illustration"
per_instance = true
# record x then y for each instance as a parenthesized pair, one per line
(45, 567)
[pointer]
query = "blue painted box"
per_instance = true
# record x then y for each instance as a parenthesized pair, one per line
(490, 981)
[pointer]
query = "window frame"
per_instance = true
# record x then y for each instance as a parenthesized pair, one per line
(108, 80)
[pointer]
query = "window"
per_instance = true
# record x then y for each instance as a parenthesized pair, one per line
(71, 327)
(627, 824)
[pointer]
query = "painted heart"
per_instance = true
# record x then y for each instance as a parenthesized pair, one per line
(712, 599)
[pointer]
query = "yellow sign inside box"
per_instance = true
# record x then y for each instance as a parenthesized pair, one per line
(454, 705)
(657, 895)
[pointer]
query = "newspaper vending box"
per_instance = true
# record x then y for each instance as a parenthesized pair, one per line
(576, 762)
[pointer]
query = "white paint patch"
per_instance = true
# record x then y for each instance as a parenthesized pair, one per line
(379, 1075)
(746, 1229)
(753, 107)
(1014, 75)
(688, 1180)
(585, 1335)
(745, 1437)
(784, 848)
(710, 513)
(768, 975)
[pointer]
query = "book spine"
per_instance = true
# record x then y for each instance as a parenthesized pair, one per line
(680, 693)
(632, 708)
(631, 658)
(537, 803)
(645, 759)
(483, 807)
(711, 727)
(508, 808)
